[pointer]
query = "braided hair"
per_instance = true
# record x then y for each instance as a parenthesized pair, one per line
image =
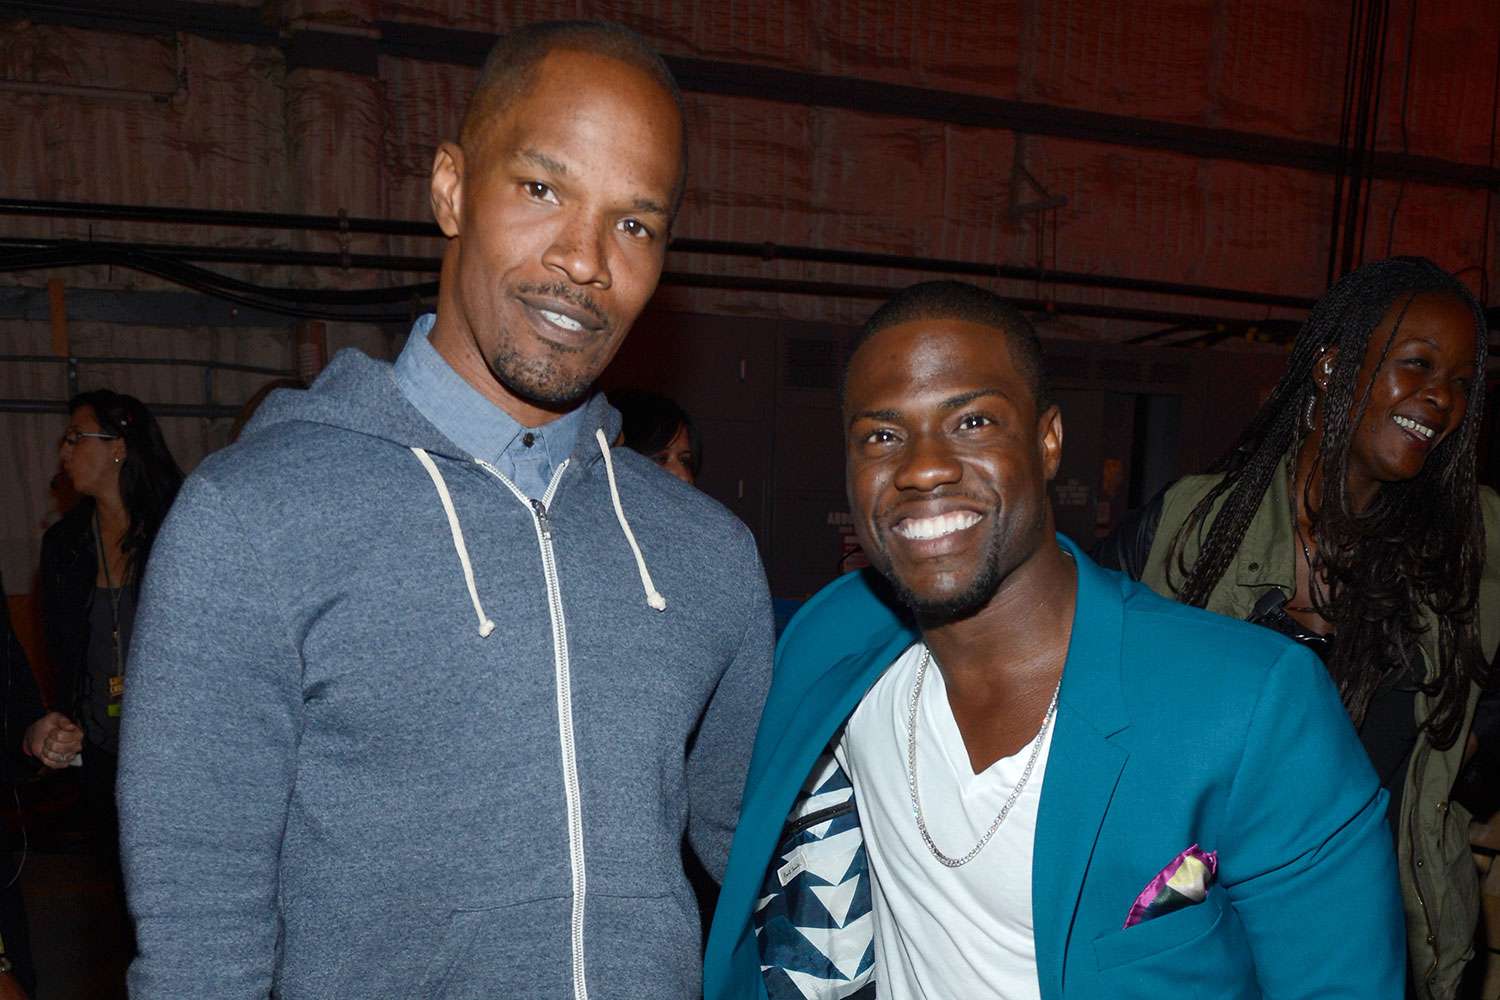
(1418, 545)
(149, 476)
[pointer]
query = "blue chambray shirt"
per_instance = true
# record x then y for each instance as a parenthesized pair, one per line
(475, 424)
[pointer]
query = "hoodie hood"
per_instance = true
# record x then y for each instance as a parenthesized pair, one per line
(359, 393)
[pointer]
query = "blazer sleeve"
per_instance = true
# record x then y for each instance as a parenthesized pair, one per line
(1307, 856)
(207, 753)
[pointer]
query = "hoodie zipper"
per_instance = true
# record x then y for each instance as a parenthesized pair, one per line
(542, 522)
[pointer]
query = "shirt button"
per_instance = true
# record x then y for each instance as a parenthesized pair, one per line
(528, 439)
(1419, 862)
(1254, 566)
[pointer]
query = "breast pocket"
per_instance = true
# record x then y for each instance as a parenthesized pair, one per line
(1199, 951)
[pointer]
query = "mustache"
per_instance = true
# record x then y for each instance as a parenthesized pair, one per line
(569, 294)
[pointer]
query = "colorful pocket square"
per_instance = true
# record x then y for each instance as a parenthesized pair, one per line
(1182, 883)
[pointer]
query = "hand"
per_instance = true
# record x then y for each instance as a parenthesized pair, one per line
(55, 740)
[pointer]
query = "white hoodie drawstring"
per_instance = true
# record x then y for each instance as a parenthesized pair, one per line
(486, 626)
(653, 596)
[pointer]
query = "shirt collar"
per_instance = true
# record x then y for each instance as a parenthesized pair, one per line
(462, 413)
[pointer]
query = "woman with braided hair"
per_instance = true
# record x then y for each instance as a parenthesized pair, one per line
(1348, 517)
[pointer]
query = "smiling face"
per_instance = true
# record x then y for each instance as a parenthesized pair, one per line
(93, 464)
(1418, 396)
(558, 227)
(948, 462)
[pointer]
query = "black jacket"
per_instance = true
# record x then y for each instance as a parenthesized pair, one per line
(69, 564)
(20, 701)
(1129, 545)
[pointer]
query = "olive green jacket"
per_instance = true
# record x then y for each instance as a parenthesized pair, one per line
(1439, 883)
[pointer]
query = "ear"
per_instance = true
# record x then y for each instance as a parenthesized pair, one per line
(448, 187)
(1049, 429)
(1323, 368)
(117, 450)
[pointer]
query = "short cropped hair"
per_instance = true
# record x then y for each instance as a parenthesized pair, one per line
(959, 300)
(510, 69)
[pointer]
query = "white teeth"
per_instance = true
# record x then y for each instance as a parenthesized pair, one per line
(926, 528)
(558, 319)
(1412, 425)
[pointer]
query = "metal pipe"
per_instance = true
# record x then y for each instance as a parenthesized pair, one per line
(227, 366)
(728, 282)
(284, 300)
(1013, 272)
(157, 409)
(214, 217)
(729, 248)
(74, 90)
(856, 291)
(94, 249)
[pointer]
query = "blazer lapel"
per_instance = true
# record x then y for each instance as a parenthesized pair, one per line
(1083, 766)
(827, 702)
(833, 670)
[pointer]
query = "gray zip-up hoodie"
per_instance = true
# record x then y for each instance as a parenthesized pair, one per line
(392, 731)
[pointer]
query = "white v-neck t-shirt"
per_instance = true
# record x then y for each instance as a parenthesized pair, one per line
(942, 932)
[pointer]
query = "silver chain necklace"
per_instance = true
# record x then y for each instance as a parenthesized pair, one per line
(911, 769)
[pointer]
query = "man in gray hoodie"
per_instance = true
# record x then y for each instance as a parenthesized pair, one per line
(429, 683)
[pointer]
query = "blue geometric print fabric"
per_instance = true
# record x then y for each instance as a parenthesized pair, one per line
(813, 919)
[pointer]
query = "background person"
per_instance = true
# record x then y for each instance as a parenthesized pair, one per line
(1347, 516)
(22, 714)
(91, 567)
(1041, 780)
(472, 676)
(658, 428)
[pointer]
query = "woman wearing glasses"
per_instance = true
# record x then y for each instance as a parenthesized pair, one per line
(92, 562)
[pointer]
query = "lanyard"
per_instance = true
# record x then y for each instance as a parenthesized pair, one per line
(114, 596)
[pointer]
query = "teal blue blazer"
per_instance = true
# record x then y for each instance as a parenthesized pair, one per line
(1174, 727)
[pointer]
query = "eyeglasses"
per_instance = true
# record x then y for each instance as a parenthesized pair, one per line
(73, 435)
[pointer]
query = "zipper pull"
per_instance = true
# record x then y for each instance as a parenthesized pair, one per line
(541, 516)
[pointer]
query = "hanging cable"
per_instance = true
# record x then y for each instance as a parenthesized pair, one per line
(1411, 34)
(1382, 26)
(1362, 137)
(1346, 113)
(1489, 192)
(366, 305)
(1359, 128)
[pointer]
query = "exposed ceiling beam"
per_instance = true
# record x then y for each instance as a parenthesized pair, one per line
(354, 52)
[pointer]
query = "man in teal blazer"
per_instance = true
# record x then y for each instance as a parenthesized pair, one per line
(1194, 810)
